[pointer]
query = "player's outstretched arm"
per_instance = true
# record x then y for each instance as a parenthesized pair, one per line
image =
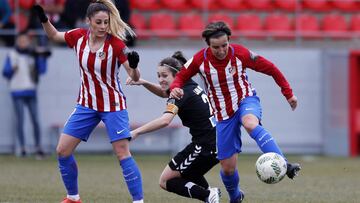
(50, 30)
(153, 125)
(152, 87)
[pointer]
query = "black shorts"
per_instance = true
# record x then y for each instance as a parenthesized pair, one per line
(194, 160)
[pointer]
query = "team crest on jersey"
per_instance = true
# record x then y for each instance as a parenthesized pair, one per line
(102, 55)
(232, 70)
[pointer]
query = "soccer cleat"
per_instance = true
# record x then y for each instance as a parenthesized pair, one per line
(67, 200)
(240, 198)
(138, 201)
(214, 195)
(293, 170)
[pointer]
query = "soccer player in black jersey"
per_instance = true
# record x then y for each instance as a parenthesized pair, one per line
(184, 175)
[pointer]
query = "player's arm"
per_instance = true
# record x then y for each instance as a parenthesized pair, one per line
(131, 65)
(161, 122)
(186, 72)
(261, 64)
(49, 29)
(152, 87)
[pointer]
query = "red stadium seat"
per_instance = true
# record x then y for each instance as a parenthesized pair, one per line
(204, 4)
(138, 21)
(346, 5)
(316, 5)
(191, 24)
(222, 17)
(163, 25)
(355, 23)
(150, 5)
(20, 20)
(234, 5)
(288, 5)
(308, 25)
(251, 30)
(335, 24)
(264, 5)
(280, 25)
(177, 5)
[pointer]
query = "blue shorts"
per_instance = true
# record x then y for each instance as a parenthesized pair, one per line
(83, 120)
(228, 132)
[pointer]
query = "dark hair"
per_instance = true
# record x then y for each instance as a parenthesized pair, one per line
(215, 30)
(96, 7)
(174, 63)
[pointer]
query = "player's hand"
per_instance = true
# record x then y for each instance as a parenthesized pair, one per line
(133, 58)
(40, 13)
(293, 102)
(130, 81)
(177, 93)
(134, 134)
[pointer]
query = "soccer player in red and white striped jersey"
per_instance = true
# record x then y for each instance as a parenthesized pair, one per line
(222, 66)
(100, 51)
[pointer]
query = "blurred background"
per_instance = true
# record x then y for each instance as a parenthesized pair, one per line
(315, 43)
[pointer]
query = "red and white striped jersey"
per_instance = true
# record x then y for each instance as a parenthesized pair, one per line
(100, 87)
(226, 79)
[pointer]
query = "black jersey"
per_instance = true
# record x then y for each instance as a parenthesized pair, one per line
(195, 113)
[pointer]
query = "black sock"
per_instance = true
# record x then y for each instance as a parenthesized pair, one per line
(186, 188)
(200, 181)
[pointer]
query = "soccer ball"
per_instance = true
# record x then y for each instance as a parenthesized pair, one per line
(271, 168)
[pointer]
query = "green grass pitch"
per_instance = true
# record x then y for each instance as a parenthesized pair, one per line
(322, 179)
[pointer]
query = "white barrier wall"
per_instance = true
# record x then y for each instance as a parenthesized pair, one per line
(296, 132)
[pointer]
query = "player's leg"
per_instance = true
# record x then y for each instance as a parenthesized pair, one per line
(229, 145)
(250, 109)
(130, 170)
(251, 112)
(186, 166)
(78, 127)
(118, 129)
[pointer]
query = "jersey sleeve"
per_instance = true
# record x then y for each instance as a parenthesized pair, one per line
(260, 64)
(72, 36)
(190, 68)
(120, 49)
(174, 105)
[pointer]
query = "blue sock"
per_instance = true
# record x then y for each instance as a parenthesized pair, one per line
(231, 184)
(132, 178)
(69, 174)
(265, 141)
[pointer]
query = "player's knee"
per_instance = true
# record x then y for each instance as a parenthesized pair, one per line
(249, 122)
(62, 151)
(162, 182)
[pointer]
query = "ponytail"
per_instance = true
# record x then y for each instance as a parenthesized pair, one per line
(117, 26)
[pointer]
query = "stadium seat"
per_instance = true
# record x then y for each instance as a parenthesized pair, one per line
(204, 4)
(151, 5)
(288, 5)
(308, 25)
(20, 20)
(316, 5)
(355, 23)
(251, 30)
(336, 24)
(191, 24)
(346, 5)
(222, 17)
(163, 25)
(280, 25)
(177, 5)
(138, 22)
(234, 5)
(264, 5)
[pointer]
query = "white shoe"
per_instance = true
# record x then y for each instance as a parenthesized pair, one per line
(139, 201)
(214, 196)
